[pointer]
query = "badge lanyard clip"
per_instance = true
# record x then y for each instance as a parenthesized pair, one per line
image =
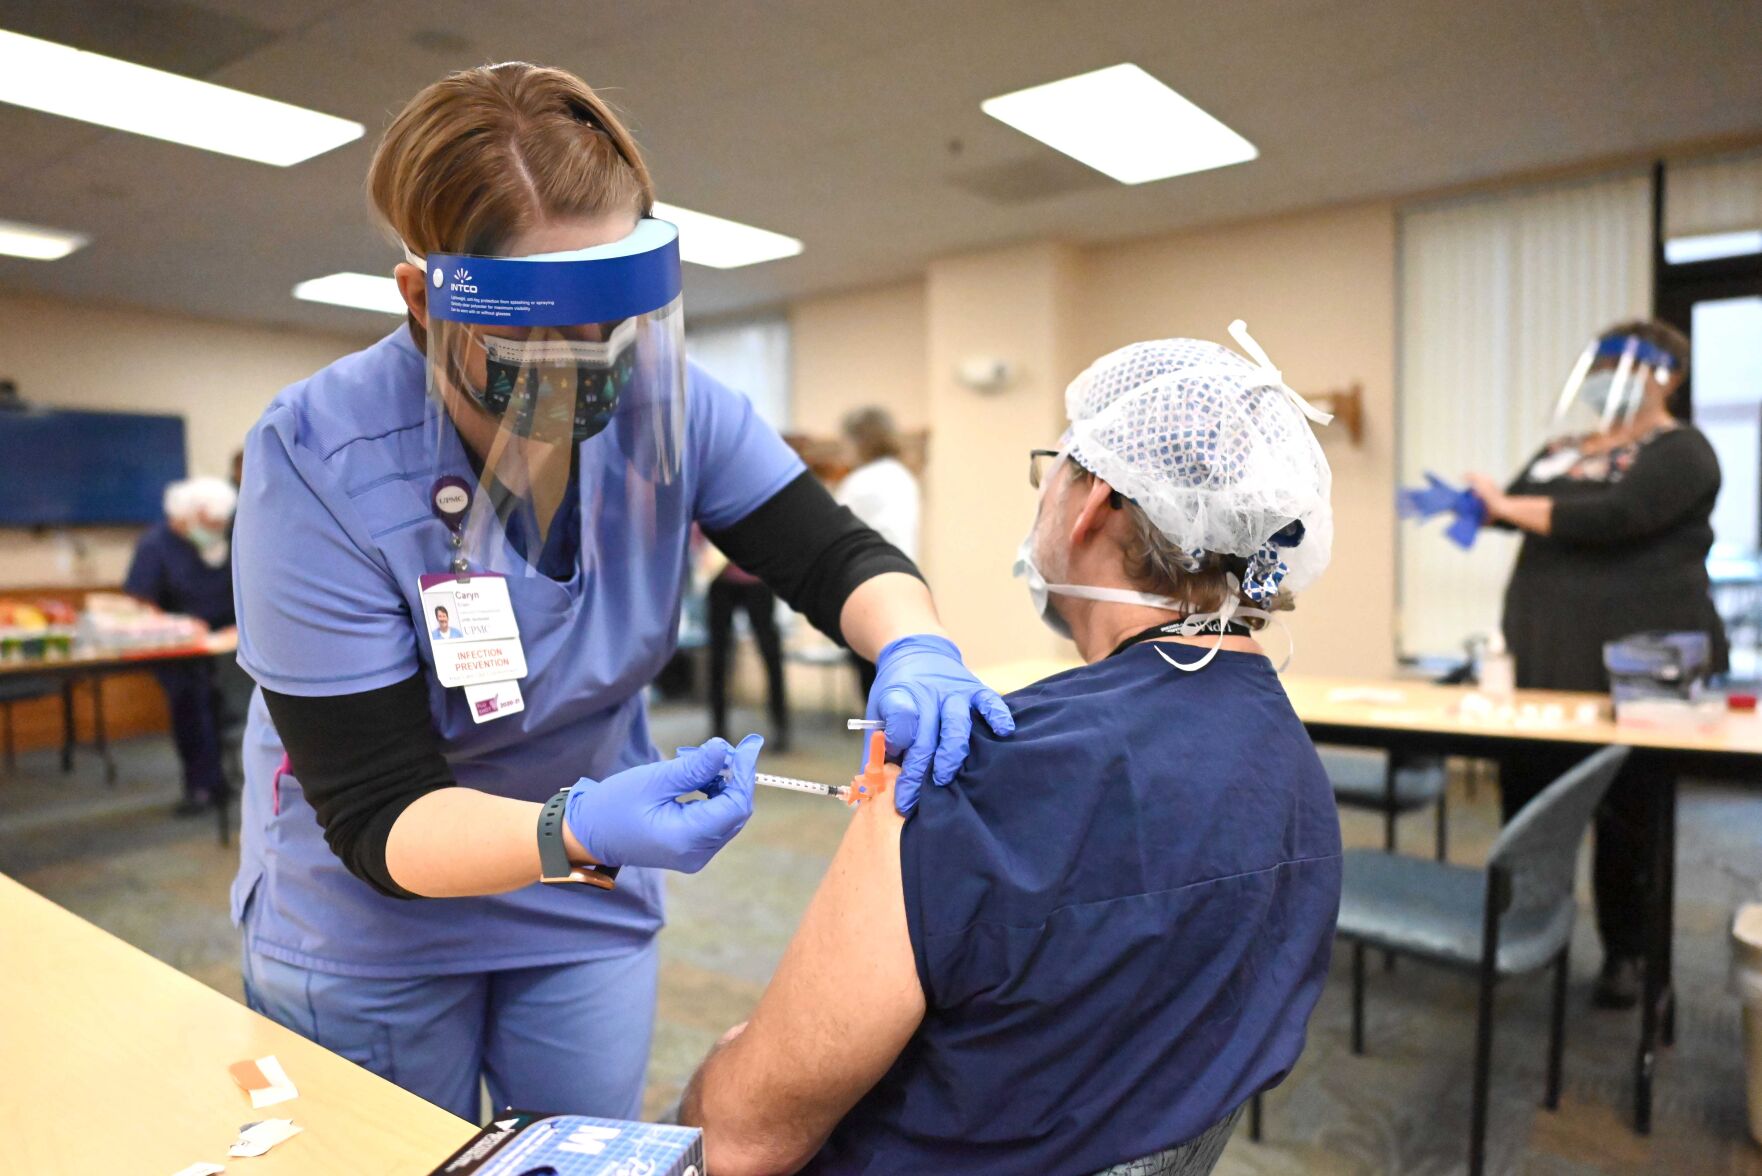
(450, 497)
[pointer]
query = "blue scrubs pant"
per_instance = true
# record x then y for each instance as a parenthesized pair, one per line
(189, 691)
(572, 1038)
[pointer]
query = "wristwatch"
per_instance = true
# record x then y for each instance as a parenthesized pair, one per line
(553, 855)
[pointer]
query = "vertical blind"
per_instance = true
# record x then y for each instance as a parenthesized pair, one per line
(1498, 294)
(751, 357)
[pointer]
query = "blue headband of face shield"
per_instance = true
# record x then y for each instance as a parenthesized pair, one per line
(634, 275)
(1616, 346)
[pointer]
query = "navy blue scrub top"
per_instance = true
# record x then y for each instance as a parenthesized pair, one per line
(167, 571)
(1122, 918)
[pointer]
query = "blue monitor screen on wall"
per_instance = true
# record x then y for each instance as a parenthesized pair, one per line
(64, 468)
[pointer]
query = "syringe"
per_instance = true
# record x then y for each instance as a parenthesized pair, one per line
(836, 791)
(769, 780)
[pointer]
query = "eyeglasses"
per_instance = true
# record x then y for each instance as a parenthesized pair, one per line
(1037, 459)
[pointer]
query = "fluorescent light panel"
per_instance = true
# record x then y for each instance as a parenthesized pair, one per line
(359, 291)
(1711, 246)
(724, 244)
(1123, 123)
(59, 79)
(38, 244)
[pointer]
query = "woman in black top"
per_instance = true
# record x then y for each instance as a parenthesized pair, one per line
(1616, 532)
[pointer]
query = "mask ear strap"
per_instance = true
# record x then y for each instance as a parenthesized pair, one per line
(1230, 609)
(1222, 616)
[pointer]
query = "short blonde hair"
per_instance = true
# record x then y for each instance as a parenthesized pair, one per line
(482, 155)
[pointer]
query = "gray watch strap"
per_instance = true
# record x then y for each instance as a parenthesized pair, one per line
(553, 854)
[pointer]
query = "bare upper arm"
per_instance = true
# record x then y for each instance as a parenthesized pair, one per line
(841, 1006)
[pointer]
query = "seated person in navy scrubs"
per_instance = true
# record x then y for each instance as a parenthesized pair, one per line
(184, 565)
(1108, 932)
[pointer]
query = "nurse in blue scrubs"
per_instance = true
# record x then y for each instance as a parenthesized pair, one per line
(450, 848)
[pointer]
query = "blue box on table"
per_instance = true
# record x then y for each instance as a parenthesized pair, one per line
(527, 1143)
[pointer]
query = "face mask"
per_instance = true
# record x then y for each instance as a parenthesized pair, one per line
(1040, 594)
(209, 543)
(1038, 588)
(1597, 389)
(543, 381)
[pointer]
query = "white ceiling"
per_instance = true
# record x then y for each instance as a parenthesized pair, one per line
(854, 126)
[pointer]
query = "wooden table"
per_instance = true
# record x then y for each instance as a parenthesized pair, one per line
(92, 667)
(1420, 717)
(115, 1062)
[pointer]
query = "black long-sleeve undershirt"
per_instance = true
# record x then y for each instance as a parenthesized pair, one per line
(362, 759)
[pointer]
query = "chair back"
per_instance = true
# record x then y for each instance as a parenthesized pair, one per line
(1538, 851)
(1197, 1157)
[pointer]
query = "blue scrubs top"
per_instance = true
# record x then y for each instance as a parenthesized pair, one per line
(1122, 917)
(334, 528)
(167, 571)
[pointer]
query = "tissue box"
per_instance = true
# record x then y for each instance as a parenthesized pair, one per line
(520, 1142)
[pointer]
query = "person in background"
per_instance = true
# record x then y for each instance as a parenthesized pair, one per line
(1108, 932)
(183, 565)
(881, 492)
(732, 588)
(1616, 527)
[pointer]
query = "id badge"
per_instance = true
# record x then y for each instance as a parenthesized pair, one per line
(471, 630)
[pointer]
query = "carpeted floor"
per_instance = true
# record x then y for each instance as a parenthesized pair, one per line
(115, 856)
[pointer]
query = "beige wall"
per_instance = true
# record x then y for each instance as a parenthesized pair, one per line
(1016, 305)
(855, 349)
(1318, 292)
(217, 376)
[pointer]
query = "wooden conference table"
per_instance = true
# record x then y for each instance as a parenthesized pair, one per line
(115, 1062)
(1420, 717)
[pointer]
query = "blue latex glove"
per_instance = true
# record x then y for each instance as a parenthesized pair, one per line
(926, 697)
(1471, 516)
(634, 818)
(1439, 497)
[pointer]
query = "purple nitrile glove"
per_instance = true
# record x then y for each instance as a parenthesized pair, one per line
(926, 696)
(634, 818)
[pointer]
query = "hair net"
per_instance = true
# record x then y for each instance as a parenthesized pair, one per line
(212, 497)
(1215, 449)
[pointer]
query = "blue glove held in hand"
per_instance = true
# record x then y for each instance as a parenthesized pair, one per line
(1437, 497)
(1440, 497)
(926, 697)
(634, 818)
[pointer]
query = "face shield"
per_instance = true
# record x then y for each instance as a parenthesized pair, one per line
(548, 374)
(1608, 383)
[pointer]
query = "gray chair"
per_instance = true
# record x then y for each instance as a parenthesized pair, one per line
(1197, 1157)
(1512, 918)
(1390, 783)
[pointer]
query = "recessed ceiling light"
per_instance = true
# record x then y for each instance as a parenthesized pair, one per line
(59, 79)
(359, 291)
(724, 244)
(18, 240)
(1711, 246)
(1122, 122)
